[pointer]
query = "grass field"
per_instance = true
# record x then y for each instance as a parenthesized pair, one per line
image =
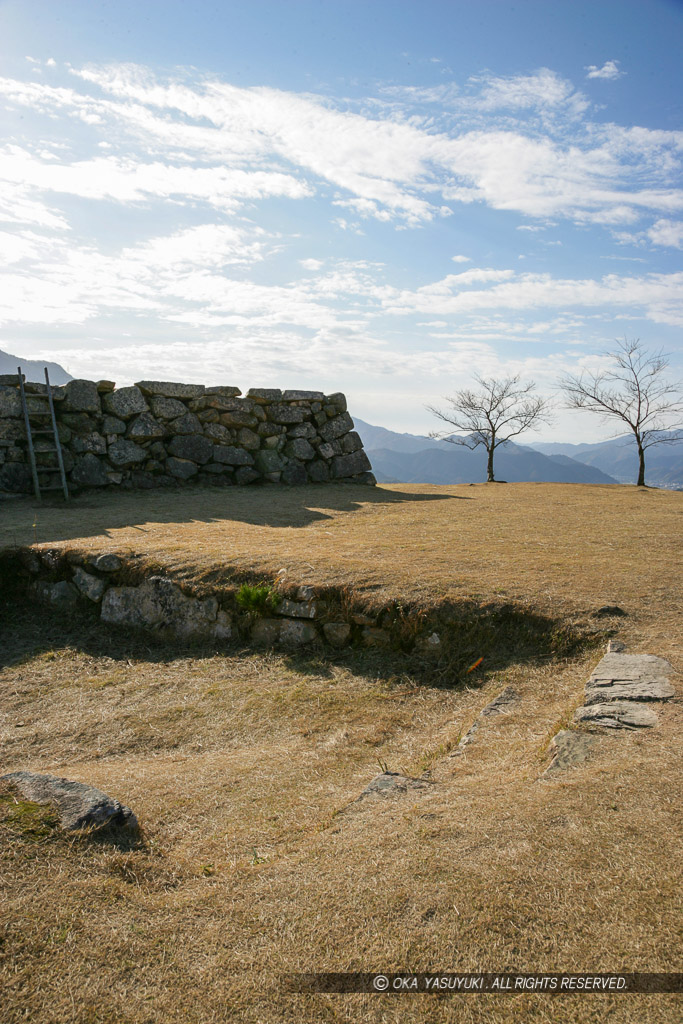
(239, 766)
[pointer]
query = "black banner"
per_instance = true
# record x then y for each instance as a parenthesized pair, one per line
(487, 982)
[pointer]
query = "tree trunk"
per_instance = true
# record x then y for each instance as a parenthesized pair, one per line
(491, 479)
(641, 464)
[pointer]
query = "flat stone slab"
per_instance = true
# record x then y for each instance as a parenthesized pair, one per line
(570, 748)
(637, 677)
(503, 704)
(617, 714)
(80, 806)
(390, 785)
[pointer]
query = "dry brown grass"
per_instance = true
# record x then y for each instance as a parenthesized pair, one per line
(237, 764)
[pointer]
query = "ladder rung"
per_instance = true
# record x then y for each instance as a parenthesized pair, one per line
(41, 431)
(51, 487)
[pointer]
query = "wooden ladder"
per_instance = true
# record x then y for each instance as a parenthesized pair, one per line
(46, 426)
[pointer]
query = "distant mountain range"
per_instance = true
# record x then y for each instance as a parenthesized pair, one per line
(34, 369)
(619, 457)
(407, 458)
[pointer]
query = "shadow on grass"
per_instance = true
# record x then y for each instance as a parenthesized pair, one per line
(96, 514)
(474, 641)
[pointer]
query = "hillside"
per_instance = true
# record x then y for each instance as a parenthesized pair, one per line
(406, 458)
(33, 369)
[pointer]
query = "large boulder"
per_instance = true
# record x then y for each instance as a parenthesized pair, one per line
(79, 806)
(279, 412)
(299, 448)
(181, 469)
(10, 402)
(16, 478)
(126, 453)
(160, 604)
(90, 472)
(231, 456)
(125, 403)
(192, 446)
(336, 427)
(349, 465)
(166, 408)
(145, 428)
(188, 423)
(81, 396)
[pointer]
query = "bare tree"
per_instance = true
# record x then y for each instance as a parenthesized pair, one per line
(498, 411)
(634, 391)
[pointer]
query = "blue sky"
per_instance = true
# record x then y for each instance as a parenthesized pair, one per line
(374, 197)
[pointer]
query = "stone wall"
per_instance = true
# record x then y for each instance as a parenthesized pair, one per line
(162, 434)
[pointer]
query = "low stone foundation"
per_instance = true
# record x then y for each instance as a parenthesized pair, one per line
(165, 434)
(288, 618)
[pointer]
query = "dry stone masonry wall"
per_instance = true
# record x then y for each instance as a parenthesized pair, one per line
(164, 434)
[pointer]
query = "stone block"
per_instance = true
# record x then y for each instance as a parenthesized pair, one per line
(629, 677)
(246, 475)
(125, 403)
(336, 427)
(299, 448)
(616, 714)
(306, 430)
(338, 400)
(337, 633)
(224, 390)
(126, 453)
(170, 389)
(318, 471)
(302, 396)
(105, 386)
(188, 423)
(349, 465)
(159, 604)
(166, 408)
(10, 402)
(113, 425)
(90, 471)
(15, 477)
(81, 396)
(294, 474)
(193, 446)
(90, 586)
(278, 412)
(296, 634)
(232, 456)
(246, 438)
(181, 469)
(267, 461)
(79, 806)
(93, 442)
(351, 442)
(266, 632)
(264, 395)
(217, 432)
(297, 609)
(144, 428)
(107, 563)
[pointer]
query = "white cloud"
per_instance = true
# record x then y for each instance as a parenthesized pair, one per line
(461, 259)
(211, 140)
(667, 232)
(609, 70)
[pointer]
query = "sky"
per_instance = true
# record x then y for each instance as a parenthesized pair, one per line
(378, 197)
